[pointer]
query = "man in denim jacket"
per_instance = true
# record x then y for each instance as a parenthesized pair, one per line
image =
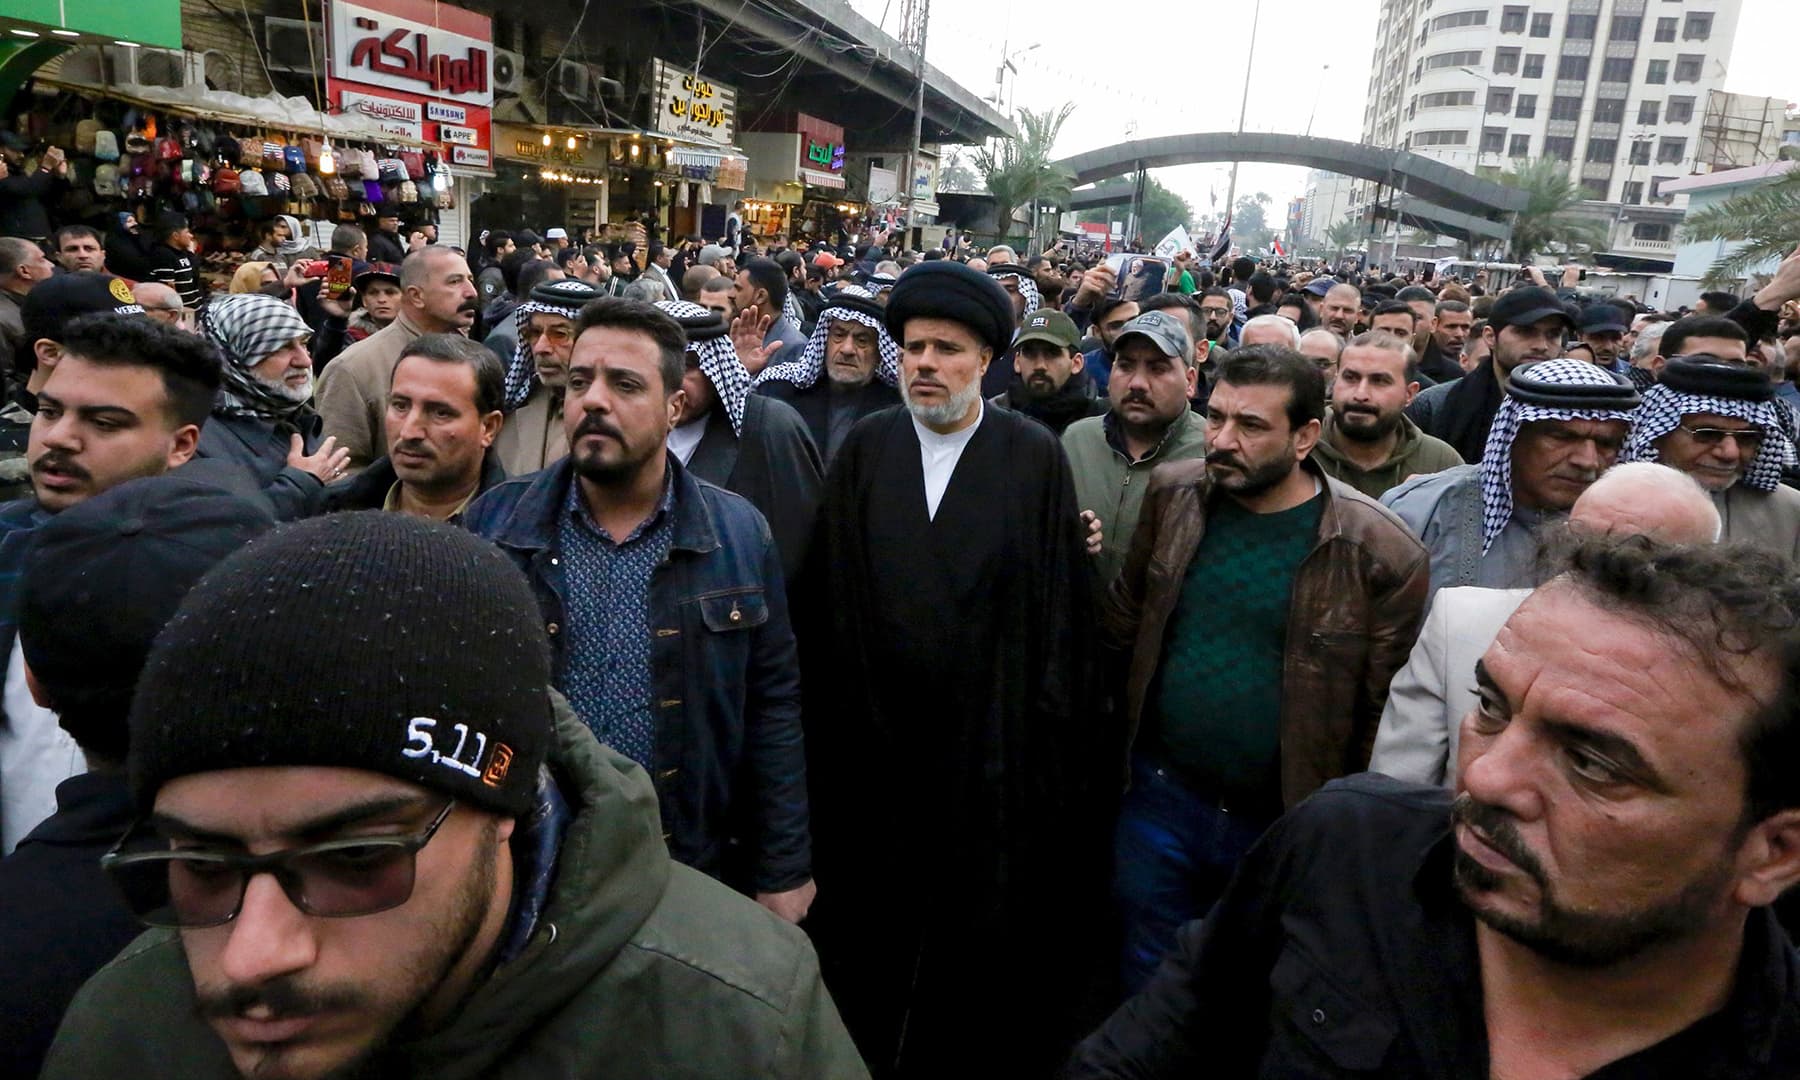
(664, 602)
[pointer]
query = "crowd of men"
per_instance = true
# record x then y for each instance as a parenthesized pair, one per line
(847, 662)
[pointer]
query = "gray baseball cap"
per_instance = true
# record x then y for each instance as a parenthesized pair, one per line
(1162, 330)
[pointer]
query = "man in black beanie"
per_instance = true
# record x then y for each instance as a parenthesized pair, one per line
(100, 581)
(952, 735)
(391, 854)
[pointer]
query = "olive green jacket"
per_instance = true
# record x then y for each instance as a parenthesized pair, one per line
(1112, 485)
(638, 967)
(1415, 454)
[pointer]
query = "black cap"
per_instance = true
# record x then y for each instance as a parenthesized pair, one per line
(565, 292)
(1600, 389)
(47, 308)
(1602, 319)
(526, 238)
(1526, 305)
(100, 580)
(1706, 377)
(361, 273)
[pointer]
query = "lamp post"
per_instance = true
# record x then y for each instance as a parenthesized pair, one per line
(1481, 128)
(1006, 64)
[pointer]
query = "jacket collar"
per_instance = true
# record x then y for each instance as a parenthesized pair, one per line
(532, 526)
(1409, 434)
(1115, 434)
(1330, 525)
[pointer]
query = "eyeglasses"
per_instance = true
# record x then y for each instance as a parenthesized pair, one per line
(189, 888)
(1215, 310)
(1749, 440)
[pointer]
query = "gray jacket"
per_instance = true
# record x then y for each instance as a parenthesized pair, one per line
(1444, 511)
(1769, 520)
(248, 457)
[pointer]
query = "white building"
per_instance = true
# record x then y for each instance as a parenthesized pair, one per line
(1616, 88)
(1328, 201)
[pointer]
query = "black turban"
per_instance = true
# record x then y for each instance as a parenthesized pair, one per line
(942, 289)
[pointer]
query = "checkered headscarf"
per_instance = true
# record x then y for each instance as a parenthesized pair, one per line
(718, 361)
(1496, 459)
(790, 309)
(1033, 299)
(1664, 407)
(521, 373)
(248, 328)
(806, 370)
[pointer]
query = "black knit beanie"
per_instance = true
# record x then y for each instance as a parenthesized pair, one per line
(374, 641)
(950, 290)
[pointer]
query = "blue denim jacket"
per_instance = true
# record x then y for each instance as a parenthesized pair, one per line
(731, 776)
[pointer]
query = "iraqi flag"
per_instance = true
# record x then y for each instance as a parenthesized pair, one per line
(1222, 245)
(1275, 248)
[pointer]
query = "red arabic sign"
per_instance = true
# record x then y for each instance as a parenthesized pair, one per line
(419, 52)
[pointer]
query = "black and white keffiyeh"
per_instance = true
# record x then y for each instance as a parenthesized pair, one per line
(718, 361)
(1664, 407)
(805, 371)
(248, 328)
(790, 309)
(1496, 459)
(521, 373)
(1033, 299)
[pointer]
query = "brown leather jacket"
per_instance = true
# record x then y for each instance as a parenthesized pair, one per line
(1358, 601)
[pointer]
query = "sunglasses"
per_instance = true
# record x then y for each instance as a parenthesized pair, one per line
(190, 888)
(1749, 440)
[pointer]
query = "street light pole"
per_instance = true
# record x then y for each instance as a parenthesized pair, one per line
(1243, 106)
(1481, 128)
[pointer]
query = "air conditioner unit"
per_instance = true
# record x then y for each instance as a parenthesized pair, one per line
(509, 71)
(571, 80)
(85, 64)
(172, 68)
(287, 46)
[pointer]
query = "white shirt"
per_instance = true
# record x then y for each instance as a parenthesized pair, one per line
(685, 438)
(938, 455)
(36, 754)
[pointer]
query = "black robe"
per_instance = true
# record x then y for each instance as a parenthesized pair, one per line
(774, 464)
(960, 774)
(815, 404)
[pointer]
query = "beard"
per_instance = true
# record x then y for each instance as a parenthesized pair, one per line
(299, 395)
(1369, 426)
(1563, 935)
(949, 412)
(399, 1018)
(1237, 476)
(591, 466)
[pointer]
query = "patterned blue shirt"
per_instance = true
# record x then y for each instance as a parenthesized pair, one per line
(606, 674)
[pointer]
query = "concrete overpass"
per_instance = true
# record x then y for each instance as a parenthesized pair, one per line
(1432, 194)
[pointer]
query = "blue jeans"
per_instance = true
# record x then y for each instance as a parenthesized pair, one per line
(1173, 851)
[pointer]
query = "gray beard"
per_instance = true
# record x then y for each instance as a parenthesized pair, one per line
(949, 412)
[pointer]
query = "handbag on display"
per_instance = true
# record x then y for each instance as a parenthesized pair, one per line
(106, 146)
(409, 192)
(225, 181)
(337, 188)
(305, 187)
(251, 182)
(279, 184)
(390, 170)
(86, 132)
(295, 156)
(250, 153)
(373, 193)
(274, 152)
(413, 161)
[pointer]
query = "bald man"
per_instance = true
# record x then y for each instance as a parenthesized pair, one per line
(1417, 739)
(163, 303)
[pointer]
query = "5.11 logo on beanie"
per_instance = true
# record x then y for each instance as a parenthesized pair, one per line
(419, 744)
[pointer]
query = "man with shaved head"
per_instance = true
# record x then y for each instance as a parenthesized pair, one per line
(1339, 308)
(1417, 739)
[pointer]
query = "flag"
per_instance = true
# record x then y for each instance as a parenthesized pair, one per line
(1275, 248)
(1223, 244)
(1173, 244)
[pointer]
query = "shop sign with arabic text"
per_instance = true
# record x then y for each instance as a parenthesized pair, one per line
(690, 107)
(380, 49)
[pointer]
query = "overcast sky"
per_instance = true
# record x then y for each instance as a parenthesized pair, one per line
(1312, 66)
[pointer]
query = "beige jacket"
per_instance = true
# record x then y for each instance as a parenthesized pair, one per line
(352, 394)
(533, 435)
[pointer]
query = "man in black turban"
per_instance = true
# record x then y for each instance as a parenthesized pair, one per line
(957, 761)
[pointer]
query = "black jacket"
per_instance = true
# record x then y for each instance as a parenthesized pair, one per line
(1341, 949)
(63, 919)
(814, 404)
(774, 464)
(247, 456)
(385, 247)
(368, 490)
(1077, 400)
(22, 210)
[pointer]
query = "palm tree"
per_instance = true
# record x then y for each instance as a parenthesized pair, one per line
(1765, 221)
(1019, 171)
(1551, 219)
(1340, 237)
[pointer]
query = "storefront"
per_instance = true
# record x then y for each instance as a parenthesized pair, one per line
(797, 179)
(704, 171)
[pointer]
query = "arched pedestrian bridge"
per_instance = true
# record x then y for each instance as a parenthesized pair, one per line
(1430, 194)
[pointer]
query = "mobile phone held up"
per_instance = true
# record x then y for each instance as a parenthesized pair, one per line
(337, 278)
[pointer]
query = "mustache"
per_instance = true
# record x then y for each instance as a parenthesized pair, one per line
(470, 306)
(592, 424)
(1224, 457)
(1366, 410)
(1137, 397)
(283, 997)
(1498, 830)
(62, 463)
(412, 446)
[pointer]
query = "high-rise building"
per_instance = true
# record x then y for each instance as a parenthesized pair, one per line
(1615, 88)
(1327, 203)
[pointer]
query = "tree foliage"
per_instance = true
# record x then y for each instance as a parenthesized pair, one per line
(1764, 221)
(1020, 171)
(1162, 209)
(1551, 220)
(1343, 236)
